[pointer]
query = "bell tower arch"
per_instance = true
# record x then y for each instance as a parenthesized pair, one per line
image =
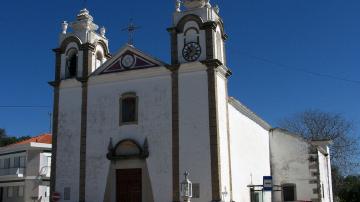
(197, 33)
(83, 49)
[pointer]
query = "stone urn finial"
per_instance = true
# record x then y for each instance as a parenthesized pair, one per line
(64, 27)
(102, 32)
(178, 5)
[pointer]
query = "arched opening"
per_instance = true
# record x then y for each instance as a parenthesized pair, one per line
(71, 63)
(128, 169)
(99, 59)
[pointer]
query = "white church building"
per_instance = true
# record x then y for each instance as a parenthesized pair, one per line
(127, 125)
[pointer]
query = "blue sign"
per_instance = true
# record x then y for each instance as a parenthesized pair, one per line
(267, 183)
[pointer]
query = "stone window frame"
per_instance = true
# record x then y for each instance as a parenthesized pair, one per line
(288, 185)
(125, 96)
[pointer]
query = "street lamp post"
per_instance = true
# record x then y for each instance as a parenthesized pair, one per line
(186, 188)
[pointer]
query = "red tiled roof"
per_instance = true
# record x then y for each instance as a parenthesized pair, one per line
(43, 138)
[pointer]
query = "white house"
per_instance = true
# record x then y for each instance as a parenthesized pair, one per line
(300, 167)
(25, 170)
(127, 126)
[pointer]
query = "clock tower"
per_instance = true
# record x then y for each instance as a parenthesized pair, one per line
(197, 33)
(200, 100)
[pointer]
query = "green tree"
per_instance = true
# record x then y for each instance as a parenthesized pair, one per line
(6, 140)
(318, 125)
(2, 133)
(344, 150)
(350, 189)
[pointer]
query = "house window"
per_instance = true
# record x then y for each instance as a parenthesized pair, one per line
(15, 191)
(7, 163)
(17, 162)
(10, 192)
(67, 193)
(128, 108)
(22, 162)
(21, 191)
(71, 63)
(289, 192)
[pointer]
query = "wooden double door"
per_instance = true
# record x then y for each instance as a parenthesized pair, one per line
(128, 185)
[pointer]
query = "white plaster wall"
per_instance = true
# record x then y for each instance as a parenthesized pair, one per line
(222, 109)
(249, 155)
(154, 123)
(290, 164)
(68, 140)
(194, 128)
(325, 177)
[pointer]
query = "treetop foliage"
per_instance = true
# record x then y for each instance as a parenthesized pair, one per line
(7, 140)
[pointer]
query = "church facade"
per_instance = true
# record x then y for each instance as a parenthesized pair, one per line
(127, 126)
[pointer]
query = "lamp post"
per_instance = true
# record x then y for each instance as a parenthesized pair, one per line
(186, 188)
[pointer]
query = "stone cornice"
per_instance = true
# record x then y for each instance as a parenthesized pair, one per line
(82, 79)
(54, 83)
(212, 63)
(57, 50)
(217, 64)
(209, 25)
(173, 67)
(88, 46)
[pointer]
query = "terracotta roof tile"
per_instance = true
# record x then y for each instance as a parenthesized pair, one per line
(43, 138)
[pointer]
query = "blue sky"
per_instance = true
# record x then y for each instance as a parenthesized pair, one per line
(274, 49)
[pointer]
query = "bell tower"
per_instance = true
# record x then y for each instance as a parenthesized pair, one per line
(197, 33)
(83, 49)
(199, 82)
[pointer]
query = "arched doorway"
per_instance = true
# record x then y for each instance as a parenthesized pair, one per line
(128, 179)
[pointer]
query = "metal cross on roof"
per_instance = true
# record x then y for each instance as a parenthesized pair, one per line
(131, 28)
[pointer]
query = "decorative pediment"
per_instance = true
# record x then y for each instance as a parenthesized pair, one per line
(130, 58)
(127, 149)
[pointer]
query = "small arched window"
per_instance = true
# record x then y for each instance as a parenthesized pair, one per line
(71, 63)
(99, 59)
(128, 109)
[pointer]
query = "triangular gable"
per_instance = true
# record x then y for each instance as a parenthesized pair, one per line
(129, 58)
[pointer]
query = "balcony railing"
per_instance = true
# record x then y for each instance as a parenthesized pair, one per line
(12, 171)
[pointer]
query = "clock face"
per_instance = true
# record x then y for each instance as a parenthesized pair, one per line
(191, 51)
(127, 61)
